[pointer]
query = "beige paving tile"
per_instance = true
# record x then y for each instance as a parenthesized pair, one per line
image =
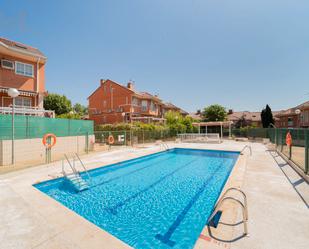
(277, 215)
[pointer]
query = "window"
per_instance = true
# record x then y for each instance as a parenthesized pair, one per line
(152, 106)
(305, 115)
(290, 121)
(24, 102)
(144, 105)
(24, 69)
(7, 64)
(104, 103)
(134, 101)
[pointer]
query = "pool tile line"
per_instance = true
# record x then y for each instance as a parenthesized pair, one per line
(165, 238)
(131, 172)
(113, 209)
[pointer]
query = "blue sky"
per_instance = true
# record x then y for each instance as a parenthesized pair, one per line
(238, 53)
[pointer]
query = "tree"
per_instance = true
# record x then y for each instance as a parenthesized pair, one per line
(177, 123)
(69, 115)
(242, 122)
(80, 109)
(58, 103)
(214, 113)
(267, 117)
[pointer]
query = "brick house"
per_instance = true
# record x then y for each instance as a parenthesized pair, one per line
(22, 67)
(296, 117)
(246, 118)
(113, 103)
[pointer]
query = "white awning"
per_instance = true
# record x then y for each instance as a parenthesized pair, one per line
(22, 93)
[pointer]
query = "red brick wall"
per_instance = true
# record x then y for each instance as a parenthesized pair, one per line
(283, 121)
(8, 78)
(298, 120)
(106, 103)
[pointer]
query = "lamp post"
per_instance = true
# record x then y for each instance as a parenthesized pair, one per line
(13, 93)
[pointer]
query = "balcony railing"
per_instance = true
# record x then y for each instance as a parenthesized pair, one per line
(28, 110)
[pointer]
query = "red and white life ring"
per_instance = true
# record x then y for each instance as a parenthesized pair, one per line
(53, 140)
(111, 139)
(288, 139)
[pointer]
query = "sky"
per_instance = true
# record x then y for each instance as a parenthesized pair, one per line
(238, 53)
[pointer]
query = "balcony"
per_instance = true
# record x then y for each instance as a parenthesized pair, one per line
(26, 110)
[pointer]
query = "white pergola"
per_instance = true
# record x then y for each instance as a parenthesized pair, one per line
(215, 123)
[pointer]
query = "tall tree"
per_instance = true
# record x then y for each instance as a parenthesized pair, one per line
(267, 117)
(58, 103)
(214, 113)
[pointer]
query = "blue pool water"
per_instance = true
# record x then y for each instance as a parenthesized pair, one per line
(158, 201)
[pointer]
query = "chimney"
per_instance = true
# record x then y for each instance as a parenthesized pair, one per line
(230, 111)
(130, 86)
(102, 81)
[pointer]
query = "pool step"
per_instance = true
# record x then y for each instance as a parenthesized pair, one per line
(79, 183)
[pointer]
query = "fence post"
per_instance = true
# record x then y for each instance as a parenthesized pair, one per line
(306, 151)
(282, 140)
(276, 137)
(87, 142)
(27, 126)
(69, 126)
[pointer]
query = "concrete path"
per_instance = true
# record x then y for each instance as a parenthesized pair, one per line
(278, 213)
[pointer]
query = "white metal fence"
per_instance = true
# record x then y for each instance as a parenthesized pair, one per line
(200, 137)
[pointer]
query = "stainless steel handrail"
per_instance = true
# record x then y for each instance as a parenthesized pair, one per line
(83, 165)
(239, 191)
(164, 145)
(71, 166)
(246, 146)
(74, 170)
(243, 205)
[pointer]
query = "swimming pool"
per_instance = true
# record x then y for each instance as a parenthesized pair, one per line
(161, 200)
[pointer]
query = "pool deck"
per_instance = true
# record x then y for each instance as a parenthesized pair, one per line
(277, 201)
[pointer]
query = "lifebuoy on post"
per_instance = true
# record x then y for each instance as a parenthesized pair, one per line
(53, 140)
(288, 139)
(111, 139)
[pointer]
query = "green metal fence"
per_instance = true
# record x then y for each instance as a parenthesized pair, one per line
(299, 151)
(36, 127)
(130, 137)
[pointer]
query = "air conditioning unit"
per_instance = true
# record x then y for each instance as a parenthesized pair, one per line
(7, 64)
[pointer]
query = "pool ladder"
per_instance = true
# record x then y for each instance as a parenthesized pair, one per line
(243, 205)
(74, 178)
(164, 146)
(245, 147)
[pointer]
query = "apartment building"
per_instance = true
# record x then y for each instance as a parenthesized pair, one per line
(295, 117)
(22, 67)
(112, 103)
